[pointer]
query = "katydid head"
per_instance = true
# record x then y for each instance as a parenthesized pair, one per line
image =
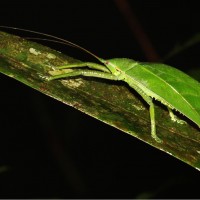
(118, 65)
(111, 66)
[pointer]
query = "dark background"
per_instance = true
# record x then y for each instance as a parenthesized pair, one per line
(76, 156)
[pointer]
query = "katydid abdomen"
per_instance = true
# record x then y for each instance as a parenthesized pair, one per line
(168, 85)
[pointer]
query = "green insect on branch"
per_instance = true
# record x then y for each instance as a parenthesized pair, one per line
(116, 104)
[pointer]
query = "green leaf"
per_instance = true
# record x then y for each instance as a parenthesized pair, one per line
(111, 102)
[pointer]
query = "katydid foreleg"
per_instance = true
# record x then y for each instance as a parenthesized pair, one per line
(84, 72)
(85, 64)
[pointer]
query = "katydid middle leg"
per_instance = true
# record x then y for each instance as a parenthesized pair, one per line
(149, 100)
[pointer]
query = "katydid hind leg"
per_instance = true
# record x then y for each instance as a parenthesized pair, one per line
(174, 118)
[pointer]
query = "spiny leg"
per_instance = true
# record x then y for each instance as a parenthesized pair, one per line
(153, 122)
(83, 72)
(174, 117)
(85, 64)
(151, 112)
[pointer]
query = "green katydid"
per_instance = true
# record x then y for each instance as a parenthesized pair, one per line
(173, 88)
(166, 84)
